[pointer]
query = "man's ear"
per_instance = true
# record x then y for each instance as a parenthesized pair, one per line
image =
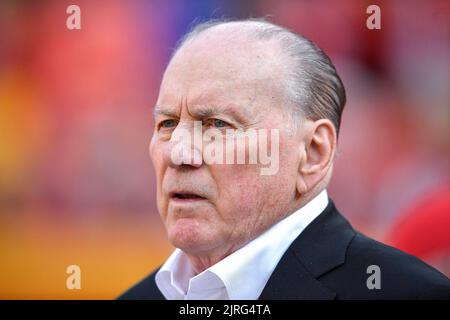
(317, 153)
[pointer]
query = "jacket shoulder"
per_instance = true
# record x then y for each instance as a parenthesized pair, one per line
(399, 275)
(145, 289)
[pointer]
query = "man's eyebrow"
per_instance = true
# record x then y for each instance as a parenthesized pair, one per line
(208, 111)
(204, 112)
(157, 110)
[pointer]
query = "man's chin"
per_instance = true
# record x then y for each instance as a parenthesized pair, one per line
(191, 237)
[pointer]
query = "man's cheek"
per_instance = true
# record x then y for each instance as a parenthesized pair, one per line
(244, 192)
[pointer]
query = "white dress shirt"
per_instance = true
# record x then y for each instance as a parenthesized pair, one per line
(243, 274)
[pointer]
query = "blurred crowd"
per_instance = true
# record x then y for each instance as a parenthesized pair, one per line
(76, 114)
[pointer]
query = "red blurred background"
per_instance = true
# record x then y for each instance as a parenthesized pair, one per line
(76, 182)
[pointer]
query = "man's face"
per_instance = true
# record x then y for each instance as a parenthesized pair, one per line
(216, 208)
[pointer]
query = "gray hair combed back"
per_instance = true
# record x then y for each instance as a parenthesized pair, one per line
(312, 84)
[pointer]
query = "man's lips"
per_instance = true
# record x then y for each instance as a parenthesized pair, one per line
(185, 196)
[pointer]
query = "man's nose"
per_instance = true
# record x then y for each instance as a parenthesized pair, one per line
(184, 147)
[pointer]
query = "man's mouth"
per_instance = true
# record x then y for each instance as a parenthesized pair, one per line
(185, 196)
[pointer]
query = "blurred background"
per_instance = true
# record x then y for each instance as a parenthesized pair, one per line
(76, 181)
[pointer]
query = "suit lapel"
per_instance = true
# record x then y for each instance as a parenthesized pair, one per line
(291, 281)
(318, 249)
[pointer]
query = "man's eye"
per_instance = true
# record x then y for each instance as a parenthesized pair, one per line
(217, 123)
(169, 123)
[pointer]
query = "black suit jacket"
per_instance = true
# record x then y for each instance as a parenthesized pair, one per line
(329, 260)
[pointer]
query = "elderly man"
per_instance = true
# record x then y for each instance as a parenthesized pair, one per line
(243, 234)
